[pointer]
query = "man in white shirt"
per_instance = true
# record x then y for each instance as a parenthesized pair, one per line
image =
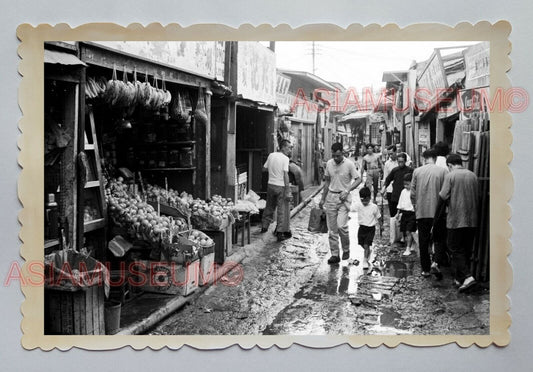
(341, 178)
(278, 191)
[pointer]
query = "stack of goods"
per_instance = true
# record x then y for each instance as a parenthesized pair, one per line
(213, 215)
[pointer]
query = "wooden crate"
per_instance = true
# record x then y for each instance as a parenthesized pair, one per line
(166, 278)
(79, 312)
(223, 242)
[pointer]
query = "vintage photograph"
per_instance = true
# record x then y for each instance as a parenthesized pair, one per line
(266, 188)
(208, 186)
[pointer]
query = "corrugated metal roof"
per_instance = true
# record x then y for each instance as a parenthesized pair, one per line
(53, 57)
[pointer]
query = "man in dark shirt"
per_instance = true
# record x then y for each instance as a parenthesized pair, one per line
(396, 176)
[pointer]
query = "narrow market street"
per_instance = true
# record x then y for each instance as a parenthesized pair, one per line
(289, 289)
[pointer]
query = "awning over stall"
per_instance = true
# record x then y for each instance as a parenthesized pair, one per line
(61, 58)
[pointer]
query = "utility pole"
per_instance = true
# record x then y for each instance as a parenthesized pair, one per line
(313, 58)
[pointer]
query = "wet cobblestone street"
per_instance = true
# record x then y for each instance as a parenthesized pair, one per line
(288, 288)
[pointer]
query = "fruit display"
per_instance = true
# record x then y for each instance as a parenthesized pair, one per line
(186, 246)
(170, 197)
(212, 215)
(139, 218)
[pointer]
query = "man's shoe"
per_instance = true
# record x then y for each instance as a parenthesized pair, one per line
(407, 252)
(345, 255)
(436, 271)
(288, 234)
(468, 283)
(264, 230)
(425, 274)
(282, 237)
(334, 260)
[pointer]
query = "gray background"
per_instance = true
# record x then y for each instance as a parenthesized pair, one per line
(515, 357)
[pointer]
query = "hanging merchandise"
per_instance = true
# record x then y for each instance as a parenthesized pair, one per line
(200, 113)
(95, 88)
(179, 109)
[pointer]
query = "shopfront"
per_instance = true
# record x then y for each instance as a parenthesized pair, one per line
(128, 169)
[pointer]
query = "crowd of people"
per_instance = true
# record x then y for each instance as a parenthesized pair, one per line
(435, 204)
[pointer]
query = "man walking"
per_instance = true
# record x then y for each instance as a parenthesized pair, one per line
(460, 189)
(425, 187)
(341, 178)
(278, 191)
(372, 166)
(396, 176)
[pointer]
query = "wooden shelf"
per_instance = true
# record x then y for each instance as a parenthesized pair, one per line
(91, 184)
(169, 143)
(168, 169)
(50, 243)
(94, 225)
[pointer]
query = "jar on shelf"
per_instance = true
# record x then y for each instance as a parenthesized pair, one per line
(143, 159)
(174, 158)
(150, 134)
(173, 132)
(162, 157)
(152, 159)
(162, 131)
(186, 157)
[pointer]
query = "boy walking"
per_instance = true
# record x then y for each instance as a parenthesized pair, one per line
(406, 213)
(368, 216)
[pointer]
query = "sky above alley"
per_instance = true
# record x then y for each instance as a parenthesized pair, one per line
(357, 64)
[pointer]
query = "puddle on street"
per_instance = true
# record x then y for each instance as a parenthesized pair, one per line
(398, 269)
(388, 317)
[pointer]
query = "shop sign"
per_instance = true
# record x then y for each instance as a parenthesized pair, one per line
(256, 77)
(473, 102)
(451, 109)
(282, 84)
(423, 134)
(432, 80)
(205, 58)
(477, 59)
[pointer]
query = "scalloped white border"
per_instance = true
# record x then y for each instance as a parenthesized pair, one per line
(31, 176)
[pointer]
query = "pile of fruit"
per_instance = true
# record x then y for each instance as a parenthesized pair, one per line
(137, 217)
(200, 239)
(170, 197)
(213, 214)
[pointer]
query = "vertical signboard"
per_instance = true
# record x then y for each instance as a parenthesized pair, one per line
(432, 79)
(477, 58)
(256, 78)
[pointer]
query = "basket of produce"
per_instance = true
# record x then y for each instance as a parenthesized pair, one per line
(216, 214)
(184, 247)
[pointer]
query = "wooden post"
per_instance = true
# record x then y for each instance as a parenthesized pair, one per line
(208, 145)
(231, 124)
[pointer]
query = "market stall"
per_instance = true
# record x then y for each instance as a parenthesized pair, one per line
(132, 137)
